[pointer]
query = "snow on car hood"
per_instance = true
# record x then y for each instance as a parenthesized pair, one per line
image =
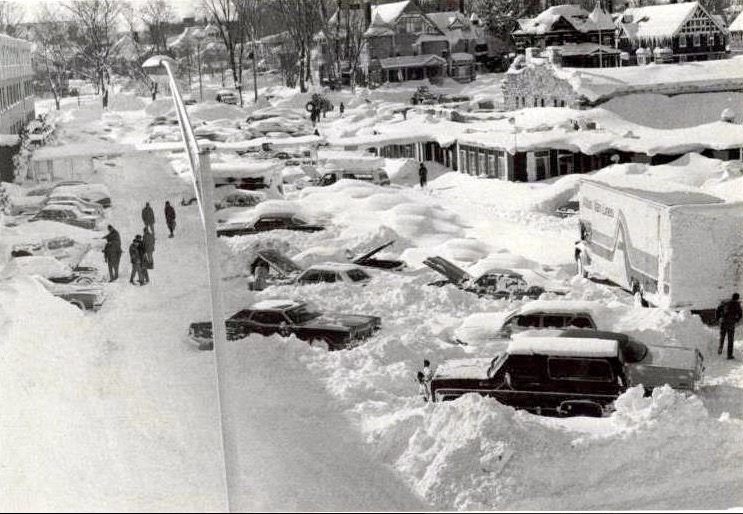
(464, 368)
(339, 320)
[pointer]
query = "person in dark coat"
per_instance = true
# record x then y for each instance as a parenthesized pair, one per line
(341, 108)
(729, 314)
(135, 256)
(148, 241)
(112, 252)
(423, 175)
(148, 217)
(169, 218)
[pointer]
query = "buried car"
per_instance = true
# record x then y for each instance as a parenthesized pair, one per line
(370, 261)
(496, 282)
(84, 297)
(68, 214)
(266, 222)
(53, 270)
(97, 193)
(568, 373)
(537, 314)
(287, 318)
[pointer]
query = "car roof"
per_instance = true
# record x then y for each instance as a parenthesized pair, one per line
(560, 307)
(564, 346)
(278, 304)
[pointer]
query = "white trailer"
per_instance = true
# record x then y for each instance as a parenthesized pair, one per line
(682, 249)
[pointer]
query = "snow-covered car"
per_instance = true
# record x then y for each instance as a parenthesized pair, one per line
(227, 97)
(64, 249)
(189, 100)
(163, 120)
(66, 214)
(85, 206)
(537, 314)
(568, 373)
(496, 282)
(330, 177)
(289, 317)
(240, 198)
(265, 223)
(52, 269)
(97, 193)
(332, 272)
(84, 297)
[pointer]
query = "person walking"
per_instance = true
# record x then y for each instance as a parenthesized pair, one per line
(169, 218)
(148, 217)
(423, 175)
(729, 314)
(148, 243)
(144, 267)
(112, 253)
(423, 389)
(135, 256)
(341, 108)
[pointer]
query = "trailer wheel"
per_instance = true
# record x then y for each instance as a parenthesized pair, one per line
(580, 268)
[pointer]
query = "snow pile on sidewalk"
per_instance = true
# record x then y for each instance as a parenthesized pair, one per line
(126, 102)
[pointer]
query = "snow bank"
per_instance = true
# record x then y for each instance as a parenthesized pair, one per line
(125, 102)
(210, 111)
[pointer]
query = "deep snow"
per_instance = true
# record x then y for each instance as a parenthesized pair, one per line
(306, 429)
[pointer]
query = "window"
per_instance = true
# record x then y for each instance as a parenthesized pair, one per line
(268, 318)
(482, 170)
(703, 39)
(682, 41)
(244, 314)
(329, 276)
(462, 160)
(585, 370)
(492, 165)
(529, 321)
(357, 275)
(472, 168)
(580, 322)
(696, 40)
(554, 321)
(542, 102)
(311, 277)
(542, 164)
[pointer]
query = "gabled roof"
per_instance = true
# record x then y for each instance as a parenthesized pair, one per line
(449, 20)
(407, 61)
(655, 22)
(580, 19)
(384, 17)
(737, 24)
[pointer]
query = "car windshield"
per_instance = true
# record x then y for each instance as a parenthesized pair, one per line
(633, 351)
(302, 314)
(299, 221)
(357, 275)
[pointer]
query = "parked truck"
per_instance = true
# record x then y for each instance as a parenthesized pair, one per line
(681, 249)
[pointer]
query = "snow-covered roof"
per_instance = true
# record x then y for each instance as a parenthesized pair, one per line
(245, 167)
(572, 49)
(563, 346)
(579, 18)
(81, 150)
(462, 57)
(564, 306)
(656, 191)
(737, 24)
(700, 76)
(275, 304)
(388, 13)
(407, 61)
(657, 22)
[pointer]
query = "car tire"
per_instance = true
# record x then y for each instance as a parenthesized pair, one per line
(78, 304)
(284, 332)
(323, 342)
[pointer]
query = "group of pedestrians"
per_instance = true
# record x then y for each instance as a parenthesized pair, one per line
(141, 249)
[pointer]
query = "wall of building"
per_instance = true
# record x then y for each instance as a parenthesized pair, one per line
(537, 86)
(16, 85)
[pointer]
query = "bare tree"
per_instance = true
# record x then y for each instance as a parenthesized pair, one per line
(157, 15)
(501, 16)
(11, 15)
(236, 21)
(302, 20)
(93, 38)
(52, 38)
(131, 65)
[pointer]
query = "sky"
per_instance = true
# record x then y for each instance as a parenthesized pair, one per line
(182, 8)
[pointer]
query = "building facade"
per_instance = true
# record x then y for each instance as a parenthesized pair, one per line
(16, 85)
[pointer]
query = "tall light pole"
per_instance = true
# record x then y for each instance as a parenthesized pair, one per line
(204, 185)
(199, 36)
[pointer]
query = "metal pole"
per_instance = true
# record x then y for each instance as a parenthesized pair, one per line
(203, 183)
(201, 87)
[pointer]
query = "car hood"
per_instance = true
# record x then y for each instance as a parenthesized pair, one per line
(476, 368)
(340, 320)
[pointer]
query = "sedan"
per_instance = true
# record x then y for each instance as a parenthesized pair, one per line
(265, 223)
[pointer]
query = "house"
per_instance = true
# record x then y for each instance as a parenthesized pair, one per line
(467, 43)
(671, 33)
(735, 31)
(589, 37)
(539, 82)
